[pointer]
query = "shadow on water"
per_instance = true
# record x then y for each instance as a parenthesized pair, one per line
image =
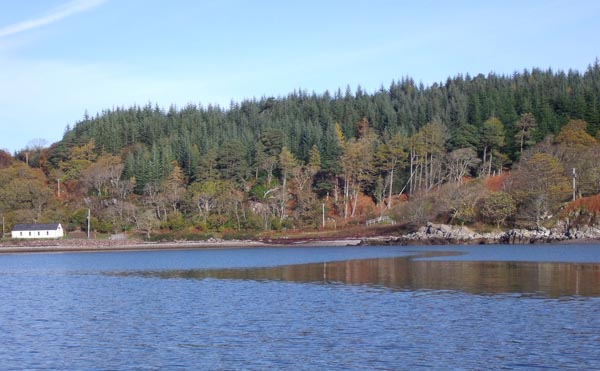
(552, 280)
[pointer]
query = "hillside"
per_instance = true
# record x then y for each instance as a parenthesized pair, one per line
(275, 163)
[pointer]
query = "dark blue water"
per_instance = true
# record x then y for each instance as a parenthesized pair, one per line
(287, 309)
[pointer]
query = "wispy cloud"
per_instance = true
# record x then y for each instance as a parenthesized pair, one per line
(61, 12)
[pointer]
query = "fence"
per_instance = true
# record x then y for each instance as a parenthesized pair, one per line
(381, 219)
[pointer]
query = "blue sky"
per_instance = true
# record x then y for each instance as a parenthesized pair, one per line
(59, 58)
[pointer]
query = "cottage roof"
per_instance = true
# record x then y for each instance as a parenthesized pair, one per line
(36, 227)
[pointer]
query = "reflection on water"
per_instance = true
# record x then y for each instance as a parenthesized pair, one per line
(176, 311)
(405, 273)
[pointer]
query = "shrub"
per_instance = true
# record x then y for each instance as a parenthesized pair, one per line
(239, 235)
(195, 236)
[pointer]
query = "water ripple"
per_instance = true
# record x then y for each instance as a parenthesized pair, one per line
(376, 316)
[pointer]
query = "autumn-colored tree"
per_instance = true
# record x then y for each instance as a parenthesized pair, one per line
(173, 187)
(497, 207)
(492, 137)
(363, 130)
(35, 153)
(538, 186)
(302, 176)
(427, 148)
(339, 134)
(587, 171)
(579, 152)
(80, 158)
(462, 200)
(357, 164)
(574, 134)
(390, 156)
(104, 175)
(344, 146)
(25, 189)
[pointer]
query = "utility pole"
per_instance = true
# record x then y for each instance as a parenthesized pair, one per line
(323, 215)
(574, 183)
(58, 182)
(3, 234)
(88, 224)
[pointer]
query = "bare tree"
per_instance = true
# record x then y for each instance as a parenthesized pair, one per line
(460, 162)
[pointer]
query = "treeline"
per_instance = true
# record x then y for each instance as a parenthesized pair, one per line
(271, 163)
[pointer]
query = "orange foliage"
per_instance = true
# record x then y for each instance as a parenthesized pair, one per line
(396, 199)
(495, 183)
(591, 204)
(364, 205)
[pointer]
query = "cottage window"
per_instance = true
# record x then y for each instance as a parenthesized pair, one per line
(30, 233)
(38, 233)
(20, 233)
(47, 233)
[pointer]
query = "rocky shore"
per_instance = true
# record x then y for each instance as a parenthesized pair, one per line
(443, 234)
(430, 234)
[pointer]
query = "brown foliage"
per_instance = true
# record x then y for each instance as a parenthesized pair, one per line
(583, 211)
(590, 204)
(364, 206)
(496, 183)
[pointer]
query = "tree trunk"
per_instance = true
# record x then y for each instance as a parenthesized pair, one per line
(426, 173)
(283, 198)
(346, 195)
(389, 206)
(335, 190)
(354, 203)
(484, 159)
(522, 139)
(411, 188)
(237, 216)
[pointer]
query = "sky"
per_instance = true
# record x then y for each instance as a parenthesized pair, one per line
(62, 58)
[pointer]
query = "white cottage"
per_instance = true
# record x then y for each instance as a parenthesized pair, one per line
(52, 230)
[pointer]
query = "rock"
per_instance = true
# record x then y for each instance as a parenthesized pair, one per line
(443, 234)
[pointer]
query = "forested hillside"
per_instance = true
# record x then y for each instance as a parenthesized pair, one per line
(272, 163)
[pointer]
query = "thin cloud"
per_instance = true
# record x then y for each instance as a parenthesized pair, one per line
(57, 14)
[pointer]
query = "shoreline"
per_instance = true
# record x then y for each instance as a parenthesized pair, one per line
(62, 246)
(66, 246)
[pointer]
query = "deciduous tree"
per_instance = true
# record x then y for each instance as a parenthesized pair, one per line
(538, 186)
(497, 207)
(492, 137)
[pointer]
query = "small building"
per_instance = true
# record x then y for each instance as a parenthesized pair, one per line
(51, 230)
